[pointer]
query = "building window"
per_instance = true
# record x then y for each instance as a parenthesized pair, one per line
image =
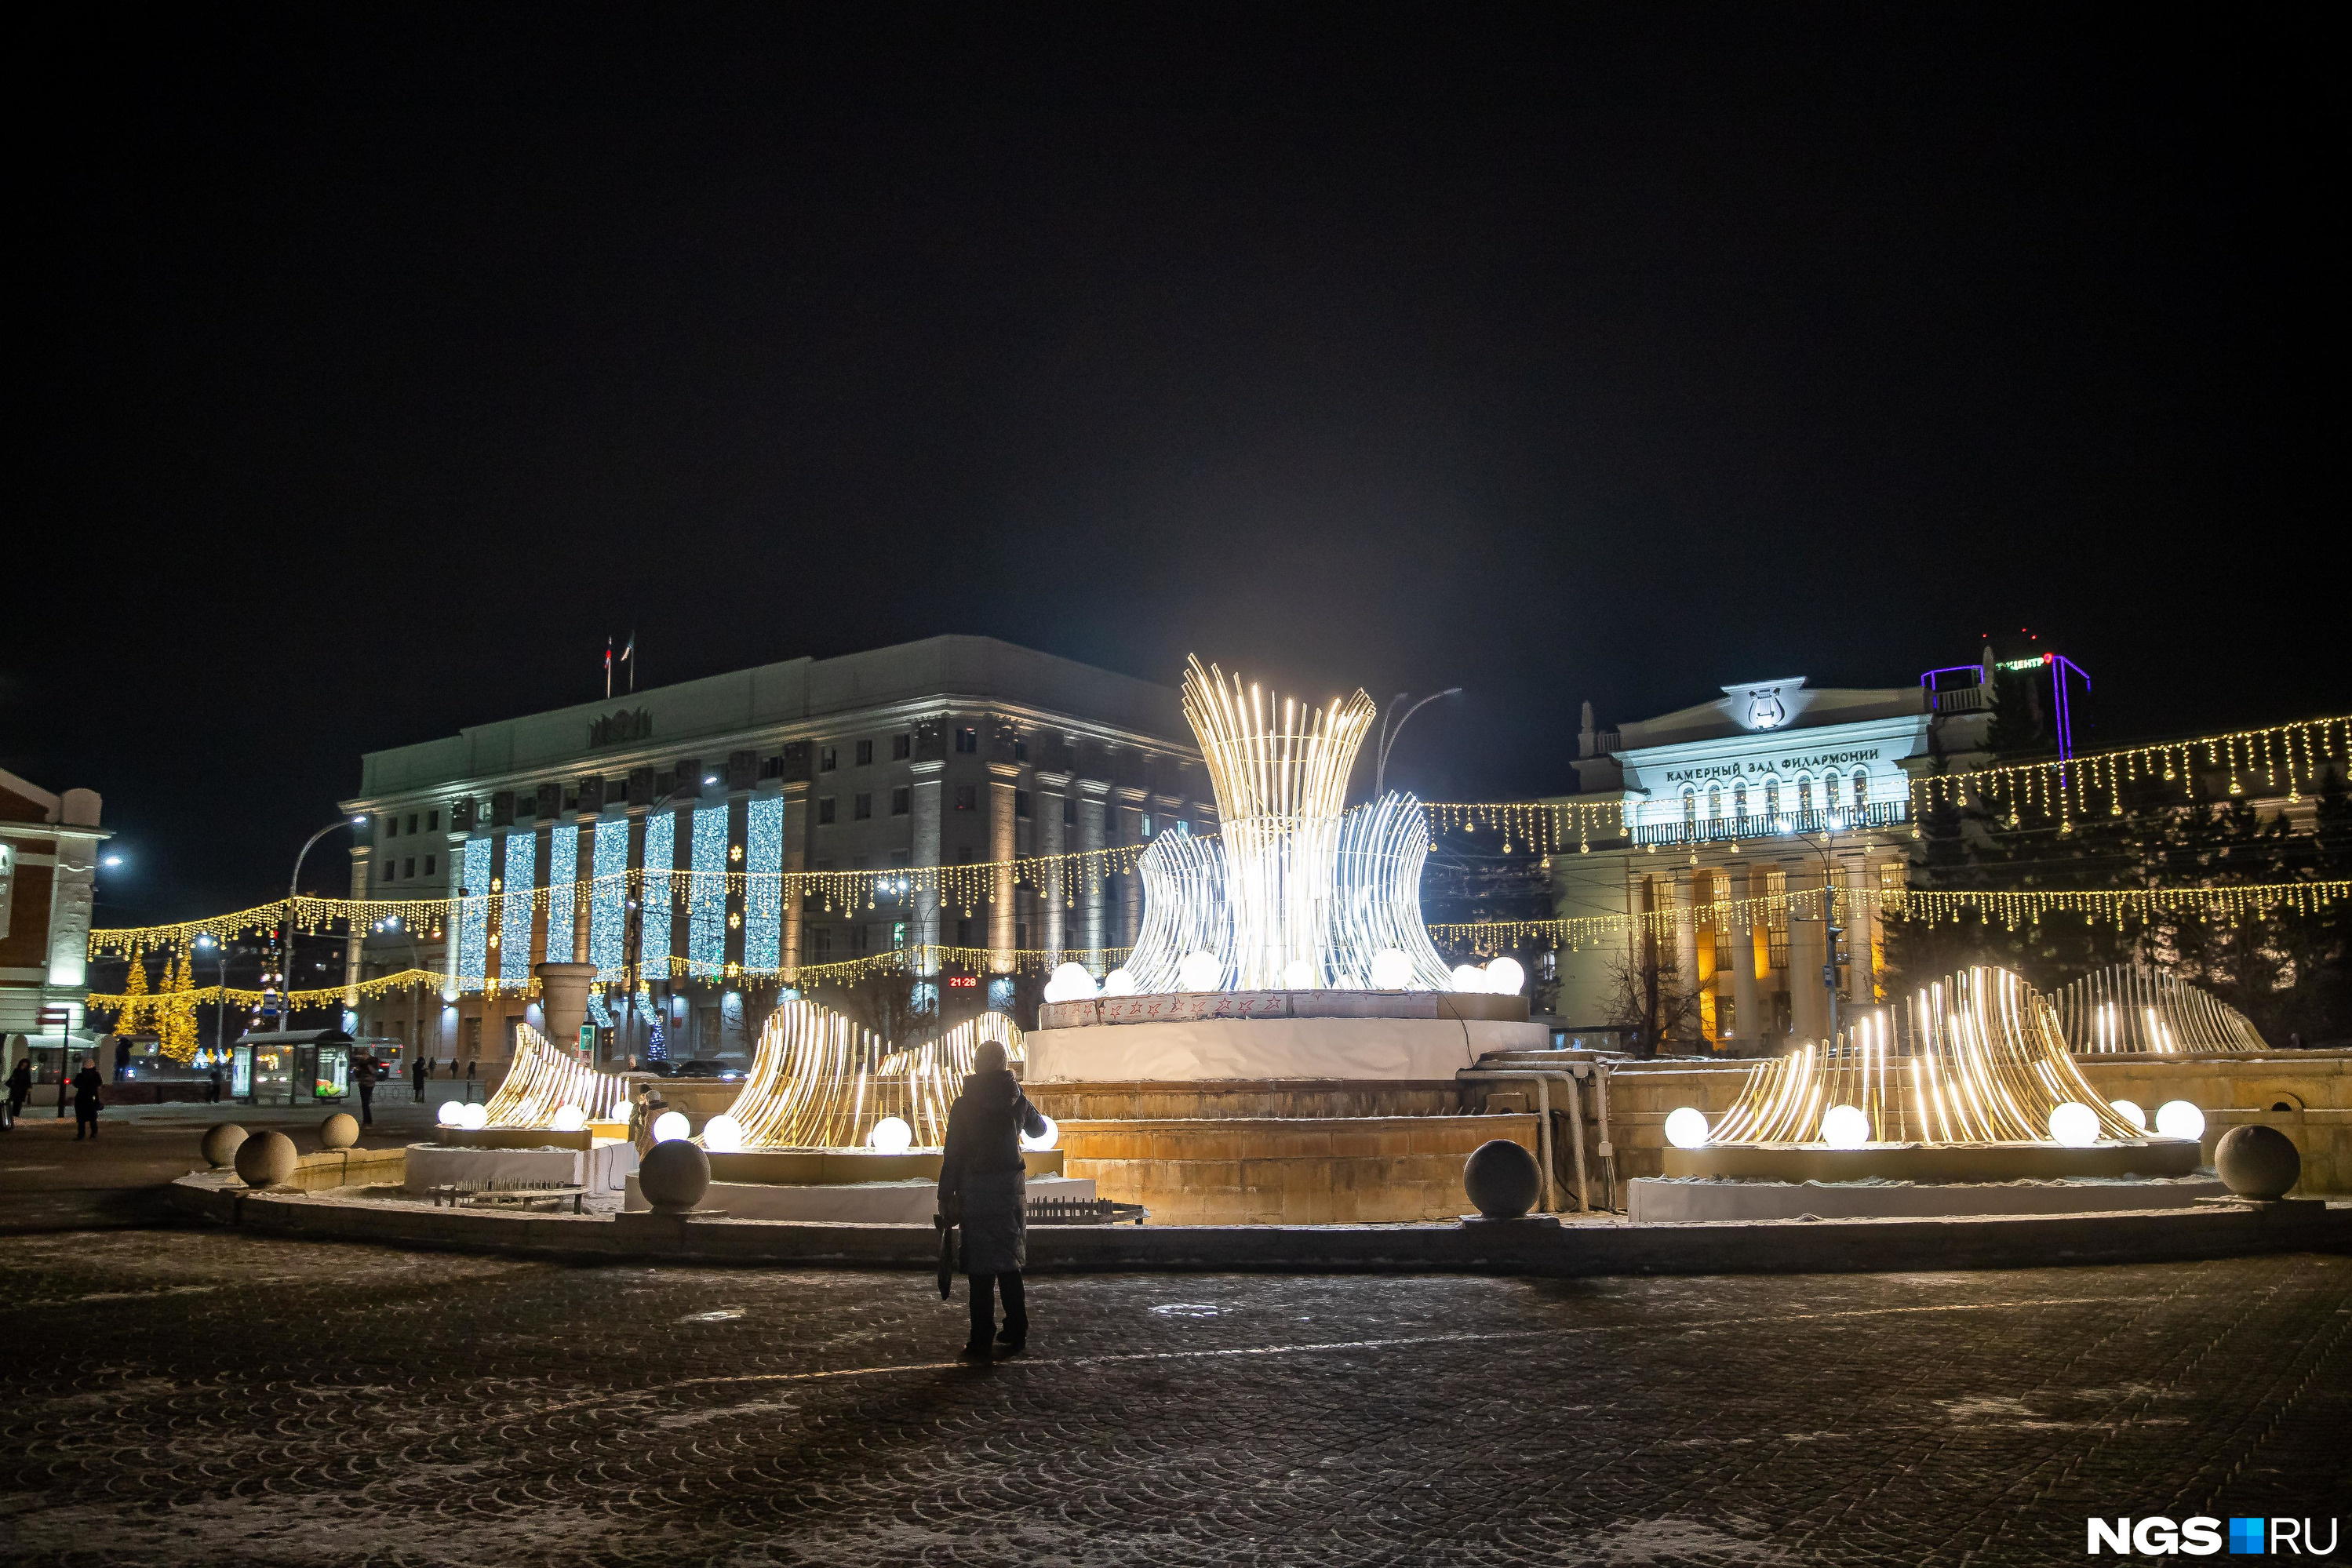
(1020, 749)
(1548, 966)
(391, 827)
(967, 797)
(967, 739)
(1804, 792)
(1771, 797)
(1021, 803)
(1776, 920)
(823, 809)
(1861, 790)
(1690, 807)
(1739, 799)
(964, 932)
(898, 859)
(861, 807)
(1069, 810)
(1830, 790)
(1143, 825)
(967, 855)
(1715, 802)
(902, 747)
(858, 938)
(820, 942)
(409, 869)
(866, 754)
(432, 820)
(428, 865)
(1894, 875)
(772, 767)
(825, 758)
(898, 799)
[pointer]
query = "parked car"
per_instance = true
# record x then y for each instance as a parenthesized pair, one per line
(703, 1067)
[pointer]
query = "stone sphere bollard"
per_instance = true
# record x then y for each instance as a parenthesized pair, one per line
(2257, 1162)
(674, 1176)
(1500, 1178)
(220, 1144)
(340, 1131)
(265, 1159)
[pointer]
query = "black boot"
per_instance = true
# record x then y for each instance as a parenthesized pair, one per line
(1015, 1332)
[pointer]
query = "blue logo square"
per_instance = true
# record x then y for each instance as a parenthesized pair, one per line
(2246, 1537)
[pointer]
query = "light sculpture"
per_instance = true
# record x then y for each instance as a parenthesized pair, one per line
(2180, 1119)
(2133, 1009)
(1974, 1058)
(2130, 1112)
(818, 1080)
(671, 1124)
(1686, 1127)
(1297, 892)
(544, 1079)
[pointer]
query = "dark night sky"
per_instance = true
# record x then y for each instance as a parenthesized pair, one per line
(374, 368)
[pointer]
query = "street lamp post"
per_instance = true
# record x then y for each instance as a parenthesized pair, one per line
(1389, 733)
(392, 923)
(220, 1009)
(285, 939)
(1831, 929)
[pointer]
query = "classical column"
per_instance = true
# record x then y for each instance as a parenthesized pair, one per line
(929, 781)
(1003, 845)
(1746, 1016)
(1092, 793)
(453, 861)
(582, 872)
(356, 937)
(738, 823)
(1052, 894)
(1869, 940)
(1686, 975)
(1129, 807)
(797, 838)
(1809, 1016)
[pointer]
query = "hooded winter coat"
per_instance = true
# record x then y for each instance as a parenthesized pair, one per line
(983, 1184)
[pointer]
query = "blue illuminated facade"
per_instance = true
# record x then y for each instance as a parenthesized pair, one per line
(661, 856)
(562, 858)
(763, 903)
(706, 929)
(474, 914)
(520, 875)
(608, 915)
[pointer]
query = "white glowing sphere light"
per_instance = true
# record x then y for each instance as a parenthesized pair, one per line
(1504, 977)
(1469, 977)
(1045, 1140)
(474, 1118)
(569, 1119)
(451, 1113)
(1844, 1127)
(2075, 1124)
(1199, 972)
(1070, 983)
(1298, 975)
(2180, 1119)
(1392, 970)
(2129, 1112)
(723, 1134)
(1118, 983)
(1686, 1127)
(890, 1136)
(671, 1124)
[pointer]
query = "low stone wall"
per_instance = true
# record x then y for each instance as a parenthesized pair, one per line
(327, 1168)
(1242, 1170)
(1219, 1099)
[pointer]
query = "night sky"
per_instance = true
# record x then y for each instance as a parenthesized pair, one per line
(375, 367)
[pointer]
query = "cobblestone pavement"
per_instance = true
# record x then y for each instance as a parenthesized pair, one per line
(201, 1397)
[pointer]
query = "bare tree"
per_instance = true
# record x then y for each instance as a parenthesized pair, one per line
(1648, 995)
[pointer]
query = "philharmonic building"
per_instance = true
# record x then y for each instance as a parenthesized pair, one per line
(1775, 787)
(950, 750)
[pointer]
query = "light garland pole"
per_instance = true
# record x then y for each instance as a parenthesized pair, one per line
(286, 942)
(394, 923)
(220, 1012)
(1389, 734)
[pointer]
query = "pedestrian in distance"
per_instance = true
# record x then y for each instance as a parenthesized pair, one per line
(121, 1059)
(20, 1086)
(212, 1097)
(87, 1104)
(363, 1072)
(417, 1072)
(984, 1189)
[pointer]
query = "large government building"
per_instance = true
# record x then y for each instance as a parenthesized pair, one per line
(953, 750)
(1774, 787)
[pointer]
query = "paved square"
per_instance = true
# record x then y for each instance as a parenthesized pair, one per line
(186, 1395)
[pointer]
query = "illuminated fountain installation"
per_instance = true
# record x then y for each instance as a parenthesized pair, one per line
(833, 1124)
(554, 1120)
(1964, 1100)
(1291, 945)
(2132, 1009)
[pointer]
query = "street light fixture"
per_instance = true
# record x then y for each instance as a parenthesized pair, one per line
(286, 937)
(220, 1013)
(1389, 733)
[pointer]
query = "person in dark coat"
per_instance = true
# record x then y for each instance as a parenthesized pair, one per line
(86, 1084)
(20, 1086)
(984, 1187)
(363, 1073)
